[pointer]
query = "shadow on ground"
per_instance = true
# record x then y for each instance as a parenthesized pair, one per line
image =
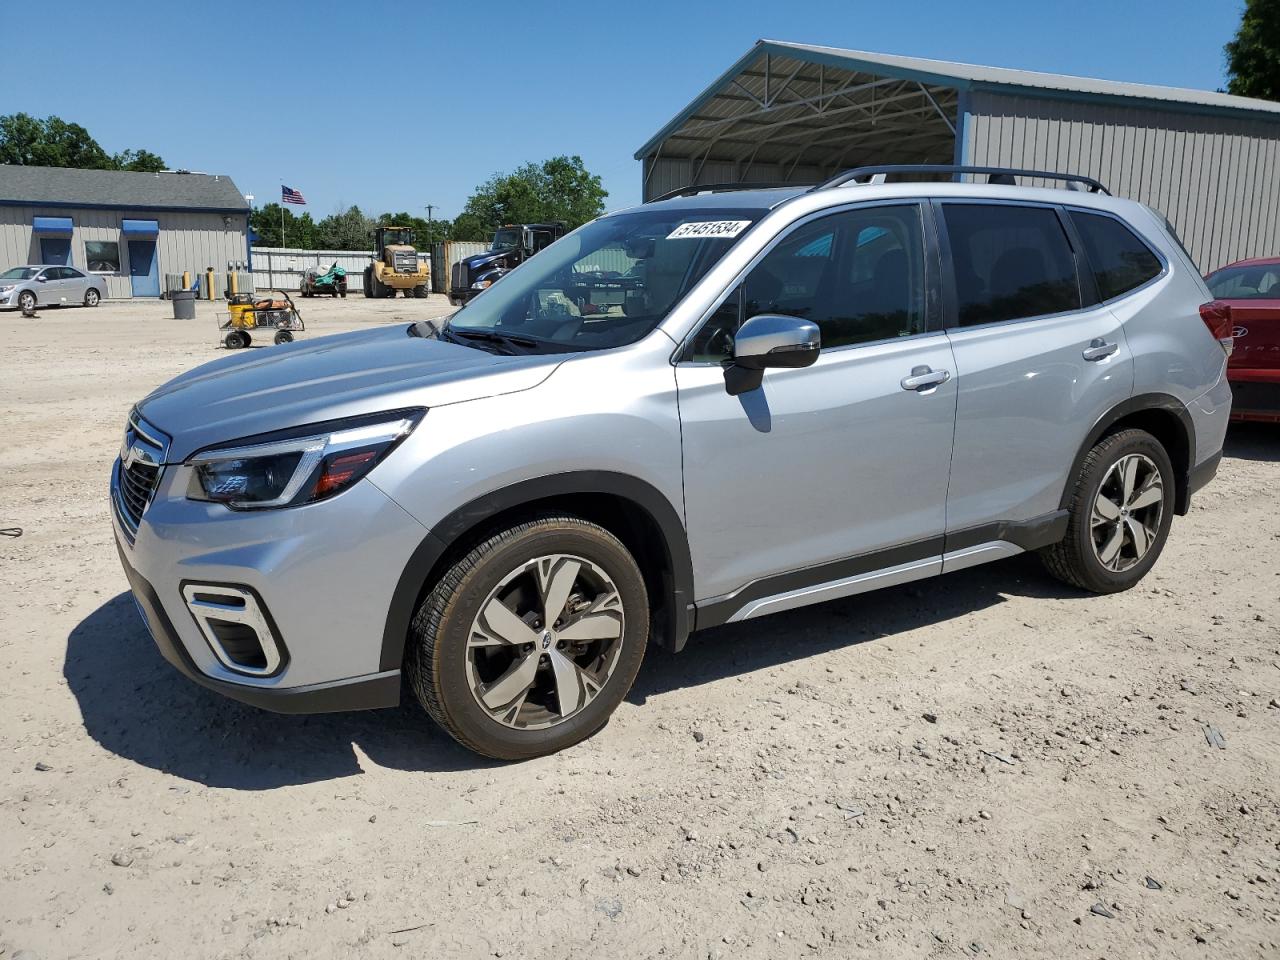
(1253, 441)
(138, 707)
(740, 648)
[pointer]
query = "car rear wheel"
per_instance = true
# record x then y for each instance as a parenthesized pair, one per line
(530, 640)
(1119, 517)
(92, 297)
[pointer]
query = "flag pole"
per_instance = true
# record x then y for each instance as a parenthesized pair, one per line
(282, 243)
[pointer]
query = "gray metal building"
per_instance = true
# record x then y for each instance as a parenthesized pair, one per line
(797, 113)
(130, 228)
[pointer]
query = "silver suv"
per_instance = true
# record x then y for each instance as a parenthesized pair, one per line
(708, 408)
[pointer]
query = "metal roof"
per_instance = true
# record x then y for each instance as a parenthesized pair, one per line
(785, 87)
(67, 187)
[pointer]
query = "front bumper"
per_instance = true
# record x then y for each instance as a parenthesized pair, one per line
(354, 693)
(326, 573)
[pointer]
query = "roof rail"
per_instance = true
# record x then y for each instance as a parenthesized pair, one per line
(696, 188)
(1003, 175)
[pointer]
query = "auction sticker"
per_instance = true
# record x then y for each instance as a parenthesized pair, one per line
(700, 229)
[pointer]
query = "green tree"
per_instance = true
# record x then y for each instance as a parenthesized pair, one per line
(1253, 55)
(348, 230)
(426, 233)
(557, 189)
(142, 161)
(52, 142)
(299, 232)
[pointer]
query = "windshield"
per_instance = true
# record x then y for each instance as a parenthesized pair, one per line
(607, 284)
(393, 237)
(19, 273)
(505, 240)
(1260, 282)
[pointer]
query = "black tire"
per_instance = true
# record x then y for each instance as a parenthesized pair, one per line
(236, 340)
(420, 291)
(368, 283)
(1075, 559)
(27, 300)
(437, 657)
(92, 297)
(283, 336)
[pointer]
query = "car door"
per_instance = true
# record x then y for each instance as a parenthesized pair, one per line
(74, 285)
(47, 285)
(829, 479)
(1037, 367)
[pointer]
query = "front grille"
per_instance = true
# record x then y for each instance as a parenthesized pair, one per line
(406, 262)
(458, 278)
(138, 471)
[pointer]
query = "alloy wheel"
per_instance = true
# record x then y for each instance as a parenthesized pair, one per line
(1127, 511)
(545, 642)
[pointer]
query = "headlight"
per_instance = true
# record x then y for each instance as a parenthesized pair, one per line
(482, 284)
(302, 466)
(6, 287)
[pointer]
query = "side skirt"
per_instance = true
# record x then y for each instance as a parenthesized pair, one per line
(884, 568)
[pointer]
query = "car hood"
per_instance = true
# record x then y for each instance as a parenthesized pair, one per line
(274, 388)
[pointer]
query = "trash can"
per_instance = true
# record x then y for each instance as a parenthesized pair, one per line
(184, 304)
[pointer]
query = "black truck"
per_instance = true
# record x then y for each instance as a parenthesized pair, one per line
(513, 244)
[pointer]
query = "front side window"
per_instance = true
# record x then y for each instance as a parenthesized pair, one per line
(102, 256)
(1011, 262)
(859, 275)
(1257, 282)
(604, 285)
(1120, 261)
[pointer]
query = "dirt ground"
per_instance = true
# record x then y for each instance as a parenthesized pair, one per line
(988, 764)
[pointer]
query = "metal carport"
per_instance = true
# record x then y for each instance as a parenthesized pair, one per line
(797, 113)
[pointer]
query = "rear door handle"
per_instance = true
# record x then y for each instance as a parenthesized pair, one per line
(925, 378)
(1099, 349)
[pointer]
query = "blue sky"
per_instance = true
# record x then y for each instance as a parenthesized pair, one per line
(332, 100)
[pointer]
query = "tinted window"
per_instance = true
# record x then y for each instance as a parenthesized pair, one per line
(858, 275)
(1010, 262)
(70, 273)
(1119, 259)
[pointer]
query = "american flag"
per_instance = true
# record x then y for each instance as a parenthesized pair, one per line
(290, 195)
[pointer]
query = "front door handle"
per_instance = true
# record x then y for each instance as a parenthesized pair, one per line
(925, 378)
(1099, 349)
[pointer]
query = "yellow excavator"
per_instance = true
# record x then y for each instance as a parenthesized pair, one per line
(395, 265)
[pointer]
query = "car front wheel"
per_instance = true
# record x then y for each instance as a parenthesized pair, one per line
(1119, 517)
(27, 300)
(529, 642)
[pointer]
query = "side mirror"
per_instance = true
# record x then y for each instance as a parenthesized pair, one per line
(42, 279)
(770, 340)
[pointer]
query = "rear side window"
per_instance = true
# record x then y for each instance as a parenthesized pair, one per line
(1011, 262)
(1120, 260)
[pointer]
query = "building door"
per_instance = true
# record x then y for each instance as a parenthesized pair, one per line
(55, 250)
(144, 271)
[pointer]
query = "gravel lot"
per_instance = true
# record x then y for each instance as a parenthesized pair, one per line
(987, 764)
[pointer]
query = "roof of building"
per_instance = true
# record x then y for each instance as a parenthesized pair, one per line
(67, 187)
(792, 79)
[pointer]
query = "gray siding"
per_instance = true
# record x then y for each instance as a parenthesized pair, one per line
(187, 241)
(1217, 178)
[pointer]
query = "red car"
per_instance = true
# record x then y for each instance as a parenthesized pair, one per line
(1248, 295)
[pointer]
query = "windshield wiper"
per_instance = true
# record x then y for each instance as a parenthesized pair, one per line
(526, 344)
